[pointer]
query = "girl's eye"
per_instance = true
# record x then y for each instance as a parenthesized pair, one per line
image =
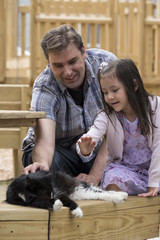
(115, 90)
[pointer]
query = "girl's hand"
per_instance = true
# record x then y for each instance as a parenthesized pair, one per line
(152, 191)
(86, 145)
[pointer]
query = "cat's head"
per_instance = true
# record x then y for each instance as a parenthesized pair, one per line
(37, 185)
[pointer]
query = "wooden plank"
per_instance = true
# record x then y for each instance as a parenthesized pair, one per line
(24, 230)
(16, 105)
(25, 223)
(15, 96)
(9, 212)
(10, 138)
(11, 28)
(2, 39)
(153, 87)
(129, 225)
(72, 18)
(22, 115)
(16, 122)
(136, 219)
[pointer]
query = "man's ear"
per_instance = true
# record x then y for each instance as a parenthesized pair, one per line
(84, 52)
(135, 85)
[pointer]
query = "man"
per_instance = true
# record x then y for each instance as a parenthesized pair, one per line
(69, 92)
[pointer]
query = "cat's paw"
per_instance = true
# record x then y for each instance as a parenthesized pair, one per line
(123, 194)
(57, 205)
(77, 212)
(119, 198)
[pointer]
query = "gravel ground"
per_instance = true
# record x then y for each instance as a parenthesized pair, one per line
(6, 164)
(6, 171)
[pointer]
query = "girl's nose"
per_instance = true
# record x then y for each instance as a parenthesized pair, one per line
(110, 95)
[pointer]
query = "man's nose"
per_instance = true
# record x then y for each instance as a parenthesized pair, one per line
(67, 70)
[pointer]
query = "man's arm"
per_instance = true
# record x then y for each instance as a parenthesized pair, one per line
(43, 150)
(98, 167)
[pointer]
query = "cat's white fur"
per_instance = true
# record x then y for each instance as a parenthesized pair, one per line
(57, 205)
(91, 193)
(22, 196)
(96, 193)
(77, 212)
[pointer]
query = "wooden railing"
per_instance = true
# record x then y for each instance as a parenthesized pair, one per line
(128, 29)
(92, 18)
(23, 11)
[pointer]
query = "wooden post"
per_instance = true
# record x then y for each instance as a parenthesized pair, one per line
(158, 8)
(2, 40)
(33, 40)
(140, 34)
(113, 13)
(11, 28)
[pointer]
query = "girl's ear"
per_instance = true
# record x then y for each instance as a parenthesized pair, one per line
(135, 85)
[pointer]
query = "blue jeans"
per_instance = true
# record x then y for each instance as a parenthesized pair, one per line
(64, 159)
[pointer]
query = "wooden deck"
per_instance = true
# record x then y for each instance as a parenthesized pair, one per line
(135, 219)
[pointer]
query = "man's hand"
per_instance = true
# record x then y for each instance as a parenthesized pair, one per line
(86, 145)
(35, 166)
(87, 178)
(152, 191)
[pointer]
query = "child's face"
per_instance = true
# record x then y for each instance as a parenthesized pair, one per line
(114, 93)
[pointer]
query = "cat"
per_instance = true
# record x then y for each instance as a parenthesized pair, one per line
(52, 190)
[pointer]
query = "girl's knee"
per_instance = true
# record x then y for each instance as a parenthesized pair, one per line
(113, 187)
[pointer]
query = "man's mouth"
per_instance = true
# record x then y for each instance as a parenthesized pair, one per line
(71, 79)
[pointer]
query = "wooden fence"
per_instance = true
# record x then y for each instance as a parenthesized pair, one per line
(126, 28)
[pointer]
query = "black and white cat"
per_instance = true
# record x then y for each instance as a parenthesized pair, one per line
(53, 190)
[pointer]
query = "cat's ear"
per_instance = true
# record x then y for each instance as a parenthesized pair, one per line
(28, 180)
(47, 177)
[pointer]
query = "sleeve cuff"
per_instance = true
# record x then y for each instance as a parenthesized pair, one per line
(84, 158)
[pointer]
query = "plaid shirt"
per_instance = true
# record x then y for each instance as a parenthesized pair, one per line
(52, 97)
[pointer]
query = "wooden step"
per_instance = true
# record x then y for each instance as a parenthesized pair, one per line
(135, 219)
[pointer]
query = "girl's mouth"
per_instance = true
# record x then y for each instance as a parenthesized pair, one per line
(115, 103)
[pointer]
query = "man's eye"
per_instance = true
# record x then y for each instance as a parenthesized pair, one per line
(73, 61)
(57, 66)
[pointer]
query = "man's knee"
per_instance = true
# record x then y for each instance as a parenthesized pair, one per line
(27, 158)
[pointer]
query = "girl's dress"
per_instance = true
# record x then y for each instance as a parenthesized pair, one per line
(131, 173)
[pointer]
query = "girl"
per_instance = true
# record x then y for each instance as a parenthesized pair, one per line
(131, 124)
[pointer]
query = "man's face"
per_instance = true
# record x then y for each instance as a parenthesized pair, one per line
(68, 66)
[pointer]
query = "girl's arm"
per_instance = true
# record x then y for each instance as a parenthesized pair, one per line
(88, 141)
(95, 174)
(154, 169)
(154, 143)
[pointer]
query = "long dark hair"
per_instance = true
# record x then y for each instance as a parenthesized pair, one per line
(126, 72)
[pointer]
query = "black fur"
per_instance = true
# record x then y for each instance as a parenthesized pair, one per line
(53, 190)
(41, 189)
